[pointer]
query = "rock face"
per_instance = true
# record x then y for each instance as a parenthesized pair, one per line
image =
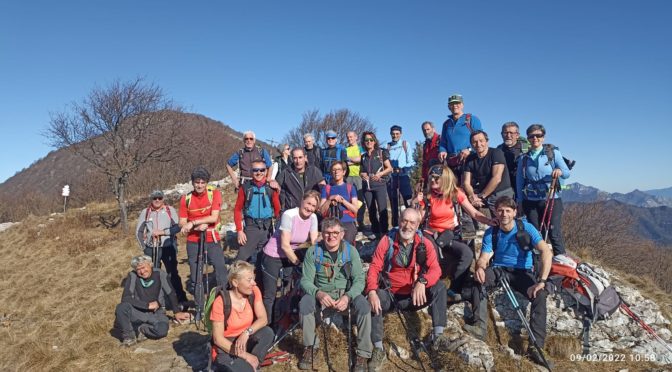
(618, 333)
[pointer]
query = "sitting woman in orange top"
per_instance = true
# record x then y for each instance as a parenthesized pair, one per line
(241, 337)
(443, 225)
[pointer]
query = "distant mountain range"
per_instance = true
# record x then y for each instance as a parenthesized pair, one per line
(578, 193)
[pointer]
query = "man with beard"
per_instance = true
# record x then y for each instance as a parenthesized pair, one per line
(513, 146)
(398, 274)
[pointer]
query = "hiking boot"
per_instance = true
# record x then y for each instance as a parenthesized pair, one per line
(128, 342)
(378, 357)
(477, 331)
(534, 355)
(453, 297)
(141, 334)
(443, 343)
(360, 364)
(310, 358)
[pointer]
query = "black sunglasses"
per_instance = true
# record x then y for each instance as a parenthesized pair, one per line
(436, 171)
(535, 135)
(158, 198)
(258, 170)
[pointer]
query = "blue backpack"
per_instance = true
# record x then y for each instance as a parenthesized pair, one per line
(346, 259)
(262, 206)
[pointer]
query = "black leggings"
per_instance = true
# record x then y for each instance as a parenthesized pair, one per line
(376, 201)
(534, 210)
(270, 270)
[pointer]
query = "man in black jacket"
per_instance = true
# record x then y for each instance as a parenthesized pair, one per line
(142, 307)
(294, 181)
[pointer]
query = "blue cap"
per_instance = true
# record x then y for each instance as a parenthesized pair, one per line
(331, 134)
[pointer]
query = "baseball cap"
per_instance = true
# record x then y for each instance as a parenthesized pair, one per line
(331, 134)
(156, 194)
(455, 98)
(395, 127)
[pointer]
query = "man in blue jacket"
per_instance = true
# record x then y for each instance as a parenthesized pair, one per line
(455, 145)
(401, 158)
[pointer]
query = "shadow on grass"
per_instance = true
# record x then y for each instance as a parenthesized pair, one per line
(193, 348)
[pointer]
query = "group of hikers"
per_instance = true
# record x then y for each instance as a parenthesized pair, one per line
(317, 199)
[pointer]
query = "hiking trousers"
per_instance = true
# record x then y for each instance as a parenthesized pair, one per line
(360, 314)
(169, 259)
(376, 201)
(257, 345)
(534, 210)
(400, 183)
(436, 300)
(520, 281)
(462, 255)
(270, 270)
(257, 237)
(128, 319)
(215, 258)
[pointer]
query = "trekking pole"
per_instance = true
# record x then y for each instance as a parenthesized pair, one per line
(626, 308)
(413, 340)
(198, 289)
(155, 253)
(350, 365)
(519, 311)
(546, 216)
(324, 335)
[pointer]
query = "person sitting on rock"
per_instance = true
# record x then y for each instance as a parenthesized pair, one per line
(333, 280)
(141, 313)
(241, 337)
(413, 284)
(513, 261)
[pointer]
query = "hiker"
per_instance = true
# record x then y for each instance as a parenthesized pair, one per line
(413, 284)
(401, 158)
(430, 148)
(354, 151)
(513, 147)
(296, 180)
(454, 146)
(141, 313)
(485, 176)
(313, 151)
(339, 199)
(297, 226)
(441, 208)
(512, 258)
(374, 171)
(241, 337)
(537, 169)
(257, 204)
(157, 226)
(332, 153)
(333, 280)
(283, 160)
(244, 158)
(199, 211)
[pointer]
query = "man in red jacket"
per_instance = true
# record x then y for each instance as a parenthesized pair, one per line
(430, 149)
(413, 284)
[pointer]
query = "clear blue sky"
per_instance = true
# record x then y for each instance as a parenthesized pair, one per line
(597, 74)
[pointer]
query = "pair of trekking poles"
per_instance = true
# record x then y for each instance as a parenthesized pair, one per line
(503, 279)
(199, 290)
(545, 225)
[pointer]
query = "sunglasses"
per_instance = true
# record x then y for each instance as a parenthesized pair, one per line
(248, 139)
(330, 138)
(369, 140)
(436, 172)
(158, 198)
(331, 233)
(258, 170)
(535, 135)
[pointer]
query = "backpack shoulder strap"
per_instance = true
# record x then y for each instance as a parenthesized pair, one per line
(319, 257)
(327, 189)
(132, 279)
(404, 144)
(147, 211)
(467, 122)
(495, 239)
(522, 236)
(348, 188)
(226, 301)
(391, 236)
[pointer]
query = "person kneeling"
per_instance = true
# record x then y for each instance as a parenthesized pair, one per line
(333, 278)
(239, 332)
(409, 268)
(513, 256)
(142, 308)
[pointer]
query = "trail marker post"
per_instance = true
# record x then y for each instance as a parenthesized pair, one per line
(65, 193)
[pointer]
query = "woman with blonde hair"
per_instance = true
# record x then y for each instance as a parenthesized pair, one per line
(440, 207)
(297, 226)
(242, 337)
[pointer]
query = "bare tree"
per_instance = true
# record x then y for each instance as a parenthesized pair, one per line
(341, 121)
(117, 129)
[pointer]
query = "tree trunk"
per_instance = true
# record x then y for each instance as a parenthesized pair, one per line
(120, 191)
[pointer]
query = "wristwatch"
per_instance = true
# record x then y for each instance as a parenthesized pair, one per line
(422, 280)
(250, 331)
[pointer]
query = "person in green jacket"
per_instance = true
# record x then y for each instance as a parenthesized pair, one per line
(333, 279)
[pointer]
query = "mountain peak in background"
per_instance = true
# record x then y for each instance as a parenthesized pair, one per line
(578, 193)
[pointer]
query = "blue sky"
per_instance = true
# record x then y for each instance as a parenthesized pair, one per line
(596, 73)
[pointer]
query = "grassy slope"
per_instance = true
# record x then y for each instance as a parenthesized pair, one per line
(61, 279)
